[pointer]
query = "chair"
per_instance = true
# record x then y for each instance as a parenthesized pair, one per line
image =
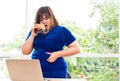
(69, 75)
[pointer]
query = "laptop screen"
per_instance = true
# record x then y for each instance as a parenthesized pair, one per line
(24, 69)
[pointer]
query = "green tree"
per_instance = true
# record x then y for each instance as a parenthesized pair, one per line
(107, 32)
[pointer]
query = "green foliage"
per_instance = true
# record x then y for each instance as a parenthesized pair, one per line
(104, 39)
(107, 33)
(101, 69)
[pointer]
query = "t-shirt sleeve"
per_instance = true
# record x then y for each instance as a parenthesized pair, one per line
(67, 36)
(28, 35)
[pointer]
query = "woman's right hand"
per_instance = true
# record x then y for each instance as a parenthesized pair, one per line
(38, 28)
(33, 33)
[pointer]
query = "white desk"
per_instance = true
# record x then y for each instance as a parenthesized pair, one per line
(8, 79)
(68, 80)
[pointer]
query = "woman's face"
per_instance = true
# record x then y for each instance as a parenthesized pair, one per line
(47, 22)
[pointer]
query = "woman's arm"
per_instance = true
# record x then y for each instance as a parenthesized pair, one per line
(72, 49)
(27, 47)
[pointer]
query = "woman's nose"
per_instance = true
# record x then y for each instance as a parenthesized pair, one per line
(44, 21)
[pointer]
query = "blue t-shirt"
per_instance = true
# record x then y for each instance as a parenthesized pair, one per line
(54, 40)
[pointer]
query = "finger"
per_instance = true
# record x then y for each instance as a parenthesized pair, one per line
(49, 53)
(50, 59)
(36, 24)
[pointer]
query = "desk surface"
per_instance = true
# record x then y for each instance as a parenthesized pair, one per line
(68, 80)
(8, 79)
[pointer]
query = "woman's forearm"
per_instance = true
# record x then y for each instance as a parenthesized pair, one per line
(71, 50)
(27, 47)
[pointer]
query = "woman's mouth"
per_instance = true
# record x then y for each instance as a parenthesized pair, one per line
(46, 27)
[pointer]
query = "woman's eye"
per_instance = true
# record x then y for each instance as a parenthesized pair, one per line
(46, 18)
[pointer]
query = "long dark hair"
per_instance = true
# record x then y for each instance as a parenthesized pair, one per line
(47, 11)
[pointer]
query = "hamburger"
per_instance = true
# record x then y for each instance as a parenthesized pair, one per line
(40, 28)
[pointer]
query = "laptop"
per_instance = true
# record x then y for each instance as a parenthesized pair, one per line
(24, 70)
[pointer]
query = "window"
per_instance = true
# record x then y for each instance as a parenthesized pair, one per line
(12, 17)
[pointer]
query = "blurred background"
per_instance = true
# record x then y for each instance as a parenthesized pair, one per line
(95, 24)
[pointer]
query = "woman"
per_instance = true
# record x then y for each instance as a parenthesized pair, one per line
(48, 45)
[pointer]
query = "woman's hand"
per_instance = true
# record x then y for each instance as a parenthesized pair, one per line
(33, 33)
(53, 56)
(37, 29)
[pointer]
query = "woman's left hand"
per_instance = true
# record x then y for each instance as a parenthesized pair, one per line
(53, 56)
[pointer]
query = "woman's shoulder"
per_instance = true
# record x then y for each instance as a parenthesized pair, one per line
(60, 27)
